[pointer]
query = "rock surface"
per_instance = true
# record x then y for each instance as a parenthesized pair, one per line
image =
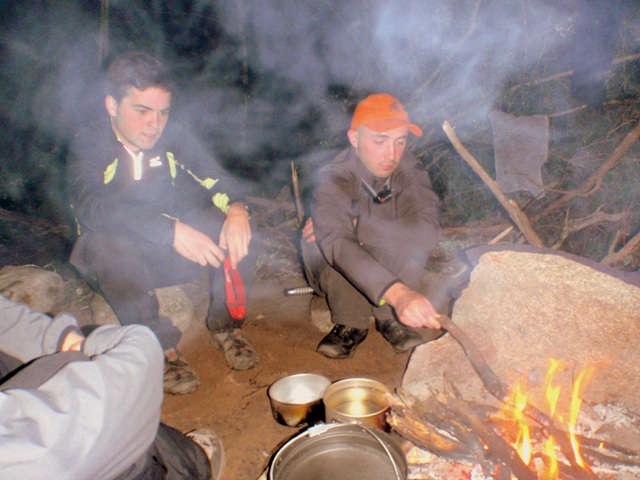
(43, 290)
(173, 301)
(521, 309)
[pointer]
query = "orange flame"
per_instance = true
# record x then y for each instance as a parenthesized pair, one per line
(517, 425)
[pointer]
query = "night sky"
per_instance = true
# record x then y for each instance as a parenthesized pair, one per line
(265, 82)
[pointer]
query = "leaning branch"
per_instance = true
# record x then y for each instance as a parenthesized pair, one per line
(515, 213)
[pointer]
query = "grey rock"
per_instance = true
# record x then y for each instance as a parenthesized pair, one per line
(42, 290)
(173, 302)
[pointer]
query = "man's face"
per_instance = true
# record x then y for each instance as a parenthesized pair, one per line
(380, 152)
(140, 117)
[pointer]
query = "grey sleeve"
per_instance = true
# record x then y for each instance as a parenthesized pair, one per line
(26, 334)
(92, 419)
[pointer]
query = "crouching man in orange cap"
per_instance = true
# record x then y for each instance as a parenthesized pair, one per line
(374, 221)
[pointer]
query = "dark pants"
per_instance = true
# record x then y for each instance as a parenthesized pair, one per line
(172, 456)
(347, 304)
(127, 270)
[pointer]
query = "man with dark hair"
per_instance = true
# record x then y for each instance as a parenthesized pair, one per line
(89, 407)
(374, 221)
(153, 209)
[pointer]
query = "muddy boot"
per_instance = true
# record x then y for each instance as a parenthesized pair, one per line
(179, 377)
(238, 352)
(401, 337)
(341, 341)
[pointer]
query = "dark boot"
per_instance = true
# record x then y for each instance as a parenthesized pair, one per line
(341, 341)
(401, 337)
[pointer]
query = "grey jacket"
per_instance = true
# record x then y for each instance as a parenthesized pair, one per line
(92, 419)
(410, 221)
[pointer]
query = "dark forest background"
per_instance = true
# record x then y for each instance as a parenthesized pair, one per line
(263, 83)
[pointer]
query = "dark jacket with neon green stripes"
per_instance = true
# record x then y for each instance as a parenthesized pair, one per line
(177, 175)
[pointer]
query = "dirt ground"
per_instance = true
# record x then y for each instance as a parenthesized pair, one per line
(236, 404)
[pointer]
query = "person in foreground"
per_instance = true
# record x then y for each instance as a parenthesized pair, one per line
(81, 407)
(374, 221)
(154, 209)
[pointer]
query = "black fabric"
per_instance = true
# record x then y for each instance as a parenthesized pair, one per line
(172, 456)
(8, 364)
(127, 270)
(348, 305)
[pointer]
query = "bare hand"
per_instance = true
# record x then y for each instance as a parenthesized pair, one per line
(196, 246)
(307, 231)
(236, 233)
(72, 342)
(412, 308)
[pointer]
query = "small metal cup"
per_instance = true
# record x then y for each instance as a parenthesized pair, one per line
(296, 400)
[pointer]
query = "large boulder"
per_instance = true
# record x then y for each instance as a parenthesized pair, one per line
(523, 308)
(173, 301)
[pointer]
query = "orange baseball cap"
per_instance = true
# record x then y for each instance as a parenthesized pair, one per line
(381, 112)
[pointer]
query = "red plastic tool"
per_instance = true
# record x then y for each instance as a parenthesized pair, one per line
(236, 297)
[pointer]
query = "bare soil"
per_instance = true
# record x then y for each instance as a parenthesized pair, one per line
(236, 404)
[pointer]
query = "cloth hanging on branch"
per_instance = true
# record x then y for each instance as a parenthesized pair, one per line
(521, 147)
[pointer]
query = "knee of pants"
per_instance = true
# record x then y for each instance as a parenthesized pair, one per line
(94, 252)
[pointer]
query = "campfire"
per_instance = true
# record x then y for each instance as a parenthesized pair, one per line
(536, 378)
(541, 444)
(514, 439)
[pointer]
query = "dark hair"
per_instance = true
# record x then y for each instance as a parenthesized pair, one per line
(136, 69)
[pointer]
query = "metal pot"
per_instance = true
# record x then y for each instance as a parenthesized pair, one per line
(297, 399)
(340, 451)
(357, 400)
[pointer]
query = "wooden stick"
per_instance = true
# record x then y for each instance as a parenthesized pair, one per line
(515, 213)
(296, 193)
(497, 445)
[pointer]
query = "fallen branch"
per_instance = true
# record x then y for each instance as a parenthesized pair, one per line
(578, 224)
(592, 184)
(568, 73)
(287, 206)
(515, 213)
(628, 248)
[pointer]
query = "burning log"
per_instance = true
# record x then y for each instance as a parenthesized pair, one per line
(496, 387)
(463, 431)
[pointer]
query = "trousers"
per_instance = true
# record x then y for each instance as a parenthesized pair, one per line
(127, 270)
(348, 305)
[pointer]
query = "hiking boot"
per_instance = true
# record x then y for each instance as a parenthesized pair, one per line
(401, 337)
(238, 352)
(341, 341)
(213, 448)
(179, 377)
